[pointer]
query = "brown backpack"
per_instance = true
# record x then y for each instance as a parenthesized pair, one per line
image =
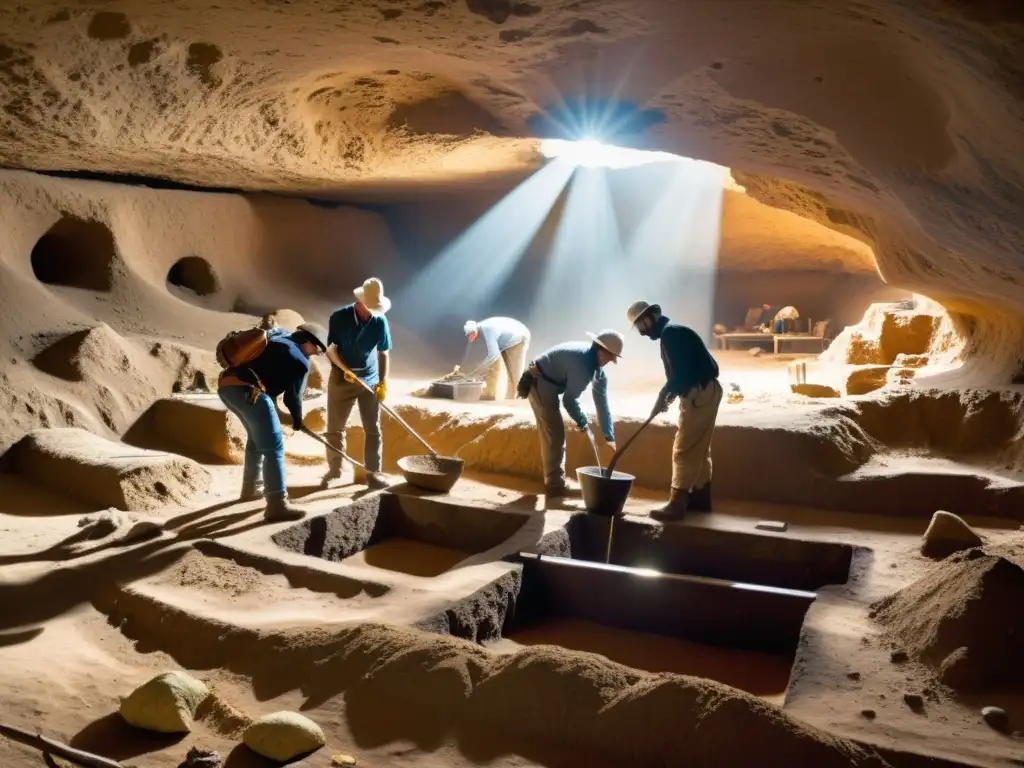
(241, 347)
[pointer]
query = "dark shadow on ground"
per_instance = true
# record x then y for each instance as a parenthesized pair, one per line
(20, 636)
(112, 737)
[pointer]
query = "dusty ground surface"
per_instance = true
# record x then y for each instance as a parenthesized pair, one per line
(876, 140)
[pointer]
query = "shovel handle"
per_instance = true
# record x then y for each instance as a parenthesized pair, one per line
(387, 409)
(343, 455)
(618, 454)
(50, 746)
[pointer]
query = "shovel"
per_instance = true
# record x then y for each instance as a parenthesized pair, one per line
(387, 409)
(433, 472)
(345, 456)
(52, 747)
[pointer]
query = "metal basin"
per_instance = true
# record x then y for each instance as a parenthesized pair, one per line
(432, 473)
(604, 495)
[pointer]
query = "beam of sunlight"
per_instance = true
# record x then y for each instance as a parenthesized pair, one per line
(636, 225)
(583, 257)
(472, 269)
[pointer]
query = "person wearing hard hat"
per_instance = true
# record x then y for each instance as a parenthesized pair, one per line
(358, 338)
(691, 375)
(506, 341)
(565, 371)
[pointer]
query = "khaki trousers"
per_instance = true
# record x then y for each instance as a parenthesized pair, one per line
(512, 362)
(691, 450)
(342, 396)
(551, 431)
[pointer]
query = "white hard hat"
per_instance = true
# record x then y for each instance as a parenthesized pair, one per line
(638, 308)
(470, 327)
(609, 340)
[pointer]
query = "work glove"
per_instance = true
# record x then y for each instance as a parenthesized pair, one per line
(611, 445)
(381, 390)
(349, 377)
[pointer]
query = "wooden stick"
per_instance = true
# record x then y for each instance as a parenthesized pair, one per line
(49, 746)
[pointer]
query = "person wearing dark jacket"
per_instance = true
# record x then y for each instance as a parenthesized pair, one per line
(249, 391)
(691, 375)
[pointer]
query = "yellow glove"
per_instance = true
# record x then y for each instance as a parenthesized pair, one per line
(381, 390)
(349, 377)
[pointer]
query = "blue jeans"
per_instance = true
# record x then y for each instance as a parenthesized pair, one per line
(264, 450)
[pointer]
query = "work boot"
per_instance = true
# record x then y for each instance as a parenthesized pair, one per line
(329, 476)
(279, 509)
(675, 509)
(561, 490)
(375, 481)
(700, 499)
(252, 492)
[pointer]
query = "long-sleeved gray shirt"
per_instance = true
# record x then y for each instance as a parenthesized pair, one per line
(500, 333)
(568, 370)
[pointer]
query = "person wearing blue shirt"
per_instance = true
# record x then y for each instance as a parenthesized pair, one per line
(358, 337)
(691, 374)
(563, 373)
(249, 391)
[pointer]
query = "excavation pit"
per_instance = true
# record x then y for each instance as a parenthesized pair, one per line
(744, 635)
(412, 535)
(753, 558)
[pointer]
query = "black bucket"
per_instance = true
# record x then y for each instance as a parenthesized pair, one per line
(604, 495)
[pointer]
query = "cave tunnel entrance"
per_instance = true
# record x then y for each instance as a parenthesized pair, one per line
(76, 253)
(195, 274)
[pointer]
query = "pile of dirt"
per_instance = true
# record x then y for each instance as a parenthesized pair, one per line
(964, 619)
(196, 425)
(90, 468)
(552, 697)
(215, 574)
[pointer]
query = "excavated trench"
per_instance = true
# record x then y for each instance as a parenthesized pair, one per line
(719, 604)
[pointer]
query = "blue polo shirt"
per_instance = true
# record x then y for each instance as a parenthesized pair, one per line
(358, 343)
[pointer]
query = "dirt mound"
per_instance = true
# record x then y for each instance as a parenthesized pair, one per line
(196, 425)
(109, 474)
(217, 574)
(562, 699)
(964, 619)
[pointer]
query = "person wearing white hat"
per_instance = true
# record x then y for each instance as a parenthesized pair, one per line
(505, 340)
(565, 371)
(691, 375)
(359, 338)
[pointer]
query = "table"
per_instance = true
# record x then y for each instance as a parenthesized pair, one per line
(730, 340)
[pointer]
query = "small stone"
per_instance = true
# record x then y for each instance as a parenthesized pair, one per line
(947, 533)
(914, 701)
(996, 718)
(869, 714)
(339, 760)
(853, 675)
(898, 657)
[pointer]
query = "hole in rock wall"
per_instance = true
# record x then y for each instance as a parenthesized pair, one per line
(195, 274)
(77, 253)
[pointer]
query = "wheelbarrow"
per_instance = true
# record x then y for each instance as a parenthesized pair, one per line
(432, 472)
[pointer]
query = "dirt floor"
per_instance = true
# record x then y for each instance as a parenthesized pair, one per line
(71, 635)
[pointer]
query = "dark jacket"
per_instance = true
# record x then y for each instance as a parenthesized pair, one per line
(688, 363)
(283, 369)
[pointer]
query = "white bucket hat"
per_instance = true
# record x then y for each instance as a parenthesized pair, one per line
(470, 327)
(610, 341)
(371, 294)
